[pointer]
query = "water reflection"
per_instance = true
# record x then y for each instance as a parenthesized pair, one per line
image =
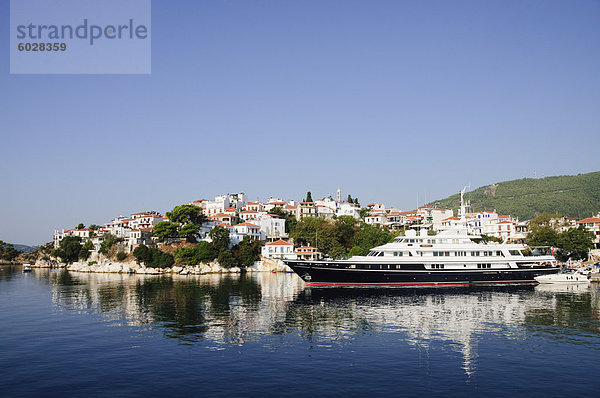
(220, 310)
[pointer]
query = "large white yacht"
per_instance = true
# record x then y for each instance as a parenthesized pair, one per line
(452, 257)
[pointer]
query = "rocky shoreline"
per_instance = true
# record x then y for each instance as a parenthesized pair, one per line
(132, 267)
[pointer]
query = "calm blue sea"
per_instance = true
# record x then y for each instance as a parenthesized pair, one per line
(87, 335)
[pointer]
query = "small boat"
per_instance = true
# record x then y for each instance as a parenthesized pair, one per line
(26, 267)
(565, 277)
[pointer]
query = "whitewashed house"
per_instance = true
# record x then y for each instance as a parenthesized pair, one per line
(240, 231)
(306, 209)
(272, 226)
(279, 249)
(348, 209)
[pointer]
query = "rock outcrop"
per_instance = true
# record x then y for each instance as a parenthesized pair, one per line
(131, 267)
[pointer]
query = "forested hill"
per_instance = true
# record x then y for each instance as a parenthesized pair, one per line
(572, 196)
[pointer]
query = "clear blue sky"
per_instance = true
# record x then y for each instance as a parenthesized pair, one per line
(388, 100)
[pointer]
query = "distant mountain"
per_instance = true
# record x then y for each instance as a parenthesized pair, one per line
(572, 196)
(25, 248)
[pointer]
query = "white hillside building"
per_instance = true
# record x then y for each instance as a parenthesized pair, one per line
(223, 202)
(242, 230)
(272, 226)
(279, 249)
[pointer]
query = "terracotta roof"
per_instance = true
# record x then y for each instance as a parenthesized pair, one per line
(248, 211)
(589, 220)
(279, 242)
(306, 247)
(222, 215)
(247, 224)
(451, 218)
(223, 224)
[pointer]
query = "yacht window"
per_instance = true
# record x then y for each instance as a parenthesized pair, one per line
(380, 254)
(514, 252)
(474, 253)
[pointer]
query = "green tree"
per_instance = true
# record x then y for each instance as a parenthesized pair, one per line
(356, 201)
(153, 257)
(248, 251)
(220, 239)
(576, 242)
(109, 242)
(80, 226)
(349, 199)
(226, 259)
(369, 236)
(308, 197)
(69, 249)
(121, 256)
(185, 214)
(307, 229)
(189, 231)
(165, 230)
(84, 252)
(358, 251)
(142, 253)
(94, 227)
(7, 251)
(331, 237)
(205, 252)
(201, 253)
(542, 236)
(187, 256)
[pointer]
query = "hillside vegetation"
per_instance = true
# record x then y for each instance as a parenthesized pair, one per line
(572, 196)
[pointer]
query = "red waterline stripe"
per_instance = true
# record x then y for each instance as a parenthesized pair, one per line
(418, 284)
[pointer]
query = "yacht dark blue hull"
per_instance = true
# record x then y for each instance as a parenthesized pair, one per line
(322, 273)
